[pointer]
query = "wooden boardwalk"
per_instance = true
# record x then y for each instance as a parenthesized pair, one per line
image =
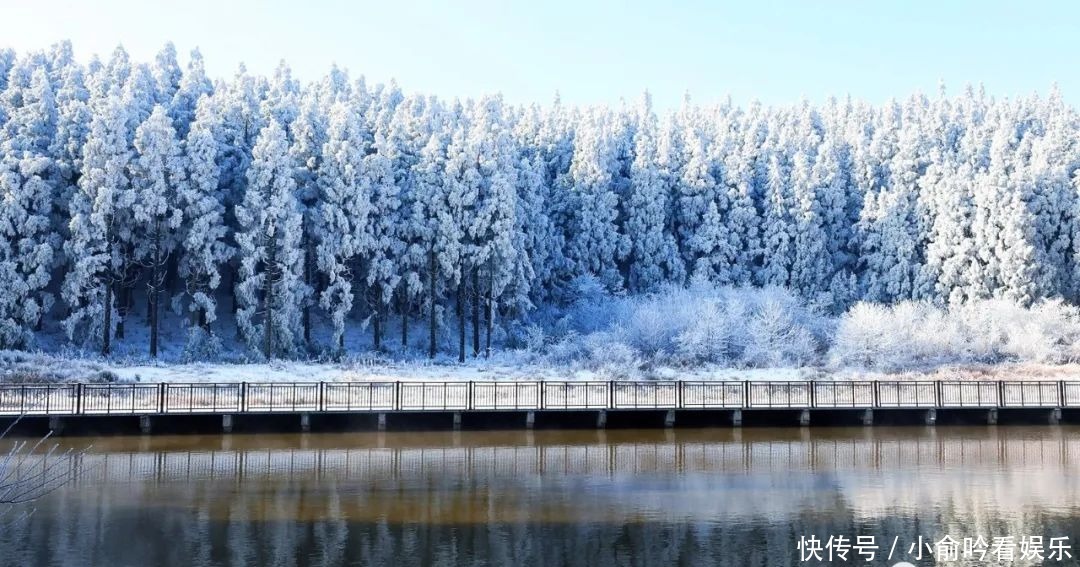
(319, 397)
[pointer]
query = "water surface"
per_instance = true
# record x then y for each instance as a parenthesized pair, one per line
(684, 497)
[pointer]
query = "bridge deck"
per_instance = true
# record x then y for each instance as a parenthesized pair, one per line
(460, 396)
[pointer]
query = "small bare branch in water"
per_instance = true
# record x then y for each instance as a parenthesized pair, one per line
(30, 470)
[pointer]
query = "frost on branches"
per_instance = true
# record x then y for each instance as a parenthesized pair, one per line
(147, 208)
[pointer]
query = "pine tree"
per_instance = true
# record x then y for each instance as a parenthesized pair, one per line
(99, 259)
(382, 276)
(193, 85)
(308, 135)
(344, 206)
(777, 238)
(28, 178)
(159, 178)
(493, 257)
(653, 256)
(270, 285)
(204, 251)
(592, 235)
(167, 75)
(438, 234)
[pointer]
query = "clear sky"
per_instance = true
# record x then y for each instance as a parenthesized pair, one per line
(597, 51)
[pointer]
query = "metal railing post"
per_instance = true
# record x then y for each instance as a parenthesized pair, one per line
(937, 393)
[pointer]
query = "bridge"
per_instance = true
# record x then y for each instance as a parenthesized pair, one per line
(452, 404)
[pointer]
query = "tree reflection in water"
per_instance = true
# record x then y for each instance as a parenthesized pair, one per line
(708, 497)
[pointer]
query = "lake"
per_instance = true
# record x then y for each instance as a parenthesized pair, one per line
(752, 496)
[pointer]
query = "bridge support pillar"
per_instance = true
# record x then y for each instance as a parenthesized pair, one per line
(226, 423)
(530, 419)
(1055, 416)
(144, 424)
(736, 418)
(868, 417)
(382, 422)
(931, 417)
(457, 421)
(992, 416)
(601, 419)
(804, 417)
(669, 419)
(56, 425)
(305, 422)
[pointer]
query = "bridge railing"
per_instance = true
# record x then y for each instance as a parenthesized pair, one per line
(915, 394)
(1032, 394)
(969, 394)
(39, 399)
(706, 395)
(844, 394)
(220, 398)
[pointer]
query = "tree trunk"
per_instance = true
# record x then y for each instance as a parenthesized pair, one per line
(153, 322)
(431, 304)
(153, 293)
(404, 307)
(377, 318)
(487, 314)
(106, 335)
(476, 312)
(235, 300)
(307, 279)
(268, 300)
(461, 319)
(123, 300)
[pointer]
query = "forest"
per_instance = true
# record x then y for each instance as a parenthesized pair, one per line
(280, 215)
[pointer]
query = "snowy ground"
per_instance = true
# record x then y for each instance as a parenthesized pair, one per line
(687, 334)
(19, 367)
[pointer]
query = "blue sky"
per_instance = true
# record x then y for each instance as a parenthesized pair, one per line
(598, 51)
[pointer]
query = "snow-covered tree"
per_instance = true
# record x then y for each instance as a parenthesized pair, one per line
(270, 287)
(167, 75)
(594, 242)
(203, 248)
(159, 178)
(308, 137)
(96, 249)
(193, 85)
(29, 242)
(344, 205)
(653, 256)
(383, 235)
(484, 210)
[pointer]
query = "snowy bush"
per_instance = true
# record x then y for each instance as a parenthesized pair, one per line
(776, 337)
(701, 325)
(202, 346)
(919, 335)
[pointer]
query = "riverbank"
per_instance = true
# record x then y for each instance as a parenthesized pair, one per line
(23, 367)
